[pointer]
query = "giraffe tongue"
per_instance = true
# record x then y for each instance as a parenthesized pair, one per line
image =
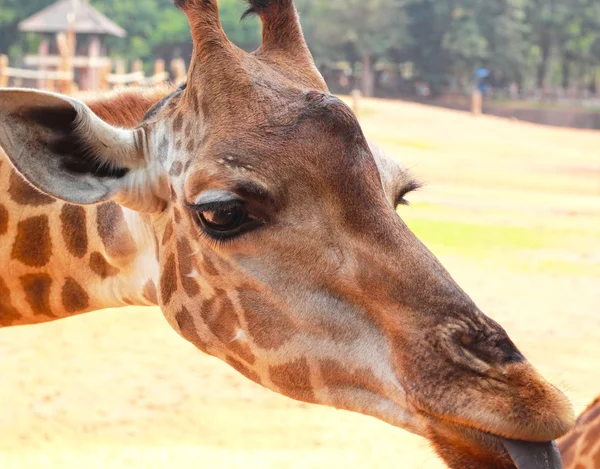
(527, 455)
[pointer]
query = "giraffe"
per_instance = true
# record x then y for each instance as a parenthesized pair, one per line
(251, 208)
(580, 448)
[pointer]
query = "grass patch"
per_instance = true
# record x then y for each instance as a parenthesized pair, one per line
(477, 237)
(419, 144)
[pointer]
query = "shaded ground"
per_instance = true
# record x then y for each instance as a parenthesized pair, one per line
(513, 210)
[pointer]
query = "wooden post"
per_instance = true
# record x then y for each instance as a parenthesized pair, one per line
(93, 71)
(159, 68)
(476, 102)
(138, 66)
(103, 78)
(3, 73)
(179, 71)
(356, 95)
(43, 52)
(70, 52)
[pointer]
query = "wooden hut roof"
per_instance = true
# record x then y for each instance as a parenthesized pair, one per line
(88, 20)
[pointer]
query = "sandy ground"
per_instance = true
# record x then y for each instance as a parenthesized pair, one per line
(118, 389)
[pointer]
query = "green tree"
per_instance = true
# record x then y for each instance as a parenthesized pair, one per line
(355, 30)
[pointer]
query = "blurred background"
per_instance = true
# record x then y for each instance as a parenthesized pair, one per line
(511, 206)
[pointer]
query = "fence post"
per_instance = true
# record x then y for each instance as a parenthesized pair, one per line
(159, 68)
(356, 95)
(138, 66)
(476, 102)
(179, 71)
(3, 71)
(103, 77)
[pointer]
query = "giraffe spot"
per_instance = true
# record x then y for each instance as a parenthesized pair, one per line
(33, 246)
(150, 293)
(176, 215)
(269, 327)
(24, 193)
(220, 318)
(74, 297)
(173, 194)
(188, 129)
(334, 376)
(589, 441)
(114, 232)
(168, 233)
(168, 280)
(37, 293)
(8, 314)
(101, 267)
(293, 380)
(243, 369)
(74, 229)
(178, 122)
(176, 169)
(3, 220)
(187, 265)
(187, 165)
(188, 330)
(208, 267)
(191, 145)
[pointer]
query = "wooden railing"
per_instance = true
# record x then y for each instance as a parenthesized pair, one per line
(54, 79)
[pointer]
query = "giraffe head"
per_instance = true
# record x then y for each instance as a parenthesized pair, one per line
(280, 249)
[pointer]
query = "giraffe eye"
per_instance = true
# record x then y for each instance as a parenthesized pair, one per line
(221, 221)
(224, 219)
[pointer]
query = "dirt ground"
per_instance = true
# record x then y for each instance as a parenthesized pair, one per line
(512, 209)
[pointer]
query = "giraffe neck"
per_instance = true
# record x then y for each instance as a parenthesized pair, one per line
(58, 260)
(580, 448)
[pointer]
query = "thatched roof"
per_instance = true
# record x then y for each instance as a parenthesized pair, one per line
(88, 20)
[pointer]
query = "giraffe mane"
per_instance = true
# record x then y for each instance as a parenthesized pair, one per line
(125, 107)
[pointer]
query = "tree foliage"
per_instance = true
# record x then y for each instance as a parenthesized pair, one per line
(532, 43)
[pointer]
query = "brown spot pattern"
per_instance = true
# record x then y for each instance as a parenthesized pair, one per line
(178, 122)
(177, 215)
(176, 169)
(113, 231)
(168, 280)
(101, 267)
(150, 293)
(191, 145)
(334, 375)
(168, 233)
(269, 327)
(185, 321)
(208, 266)
(220, 318)
(37, 293)
(24, 194)
(293, 379)
(33, 246)
(8, 314)
(74, 297)
(74, 229)
(187, 265)
(243, 369)
(3, 220)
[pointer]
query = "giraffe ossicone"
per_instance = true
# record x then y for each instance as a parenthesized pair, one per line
(251, 208)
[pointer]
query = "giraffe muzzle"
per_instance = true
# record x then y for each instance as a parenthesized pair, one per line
(529, 455)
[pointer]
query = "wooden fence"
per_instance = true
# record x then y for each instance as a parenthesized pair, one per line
(62, 79)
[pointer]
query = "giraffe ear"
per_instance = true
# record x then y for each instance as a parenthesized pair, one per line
(62, 148)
